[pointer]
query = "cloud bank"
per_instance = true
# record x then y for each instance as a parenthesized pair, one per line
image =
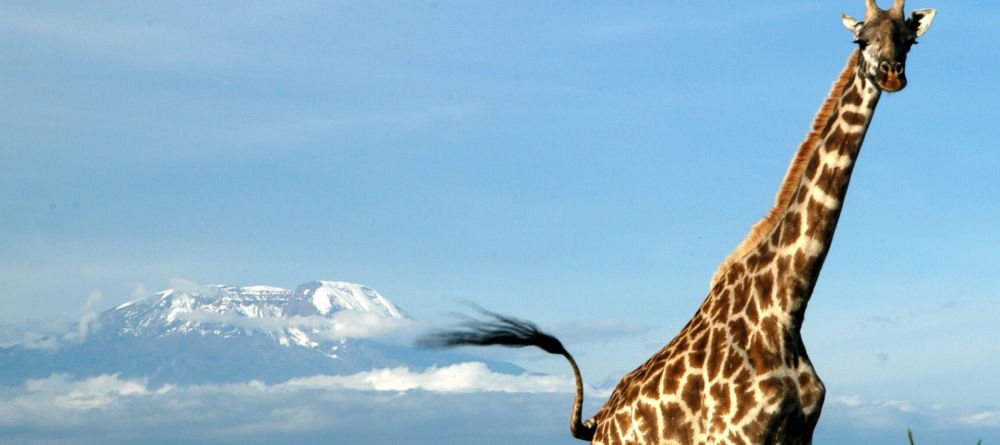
(53, 333)
(443, 405)
(35, 334)
(446, 406)
(461, 378)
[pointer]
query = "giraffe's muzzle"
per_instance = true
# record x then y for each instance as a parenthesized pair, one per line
(891, 76)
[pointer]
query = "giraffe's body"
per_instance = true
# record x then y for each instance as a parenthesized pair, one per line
(738, 372)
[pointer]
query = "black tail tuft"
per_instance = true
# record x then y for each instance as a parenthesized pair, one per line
(495, 330)
(503, 330)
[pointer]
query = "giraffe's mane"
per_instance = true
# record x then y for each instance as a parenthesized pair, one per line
(761, 231)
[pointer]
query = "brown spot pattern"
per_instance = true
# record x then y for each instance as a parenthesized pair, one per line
(672, 376)
(763, 287)
(648, 422)
(744, 393)
(765, 359)
(720, 392)
(716, 354)
(651, 388)
(835, 138)
(790, 229)
(696, 359)
(694, 392)
(761, 258)
(853, 97)
(751, 311)
(740, 332)
(769, 327)
(733, 362)
(676, 426)
(854, 119)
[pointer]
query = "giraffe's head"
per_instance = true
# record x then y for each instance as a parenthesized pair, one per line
(885, 37)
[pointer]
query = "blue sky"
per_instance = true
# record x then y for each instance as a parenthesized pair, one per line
(575, 163)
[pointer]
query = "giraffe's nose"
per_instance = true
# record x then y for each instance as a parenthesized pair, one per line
(894, 68)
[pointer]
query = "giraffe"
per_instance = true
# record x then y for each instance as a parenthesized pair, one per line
(738, 372)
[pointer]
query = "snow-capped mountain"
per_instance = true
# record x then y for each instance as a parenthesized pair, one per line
(290, 317)
(167, 307)
(226, 333)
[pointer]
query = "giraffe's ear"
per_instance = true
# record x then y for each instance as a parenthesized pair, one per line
(852, 24)
(920, 20)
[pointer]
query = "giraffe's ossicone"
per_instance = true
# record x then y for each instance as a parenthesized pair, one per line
(738, 372)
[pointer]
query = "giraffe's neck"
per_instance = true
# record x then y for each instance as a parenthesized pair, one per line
(792, 241)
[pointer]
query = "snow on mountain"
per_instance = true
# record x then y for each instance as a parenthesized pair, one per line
(327, 296)
(292, 317)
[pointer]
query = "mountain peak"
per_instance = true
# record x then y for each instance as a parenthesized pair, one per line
(332, 296)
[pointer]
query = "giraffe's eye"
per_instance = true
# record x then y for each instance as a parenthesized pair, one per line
(862, 43)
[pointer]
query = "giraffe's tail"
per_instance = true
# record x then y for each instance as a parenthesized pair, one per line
(511, 332)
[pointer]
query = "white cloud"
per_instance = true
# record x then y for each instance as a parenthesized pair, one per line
(139, 291)
(855, 401)
(877, 414)
(88, 321)
(851, 400)
(89, 317)
(460, 378)
(35, 334)
(52, 334)
(989, 418)
(901, 405)
(368, 325)
(188, 286)
(91, 393)
(466, 377)
(344, 324)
